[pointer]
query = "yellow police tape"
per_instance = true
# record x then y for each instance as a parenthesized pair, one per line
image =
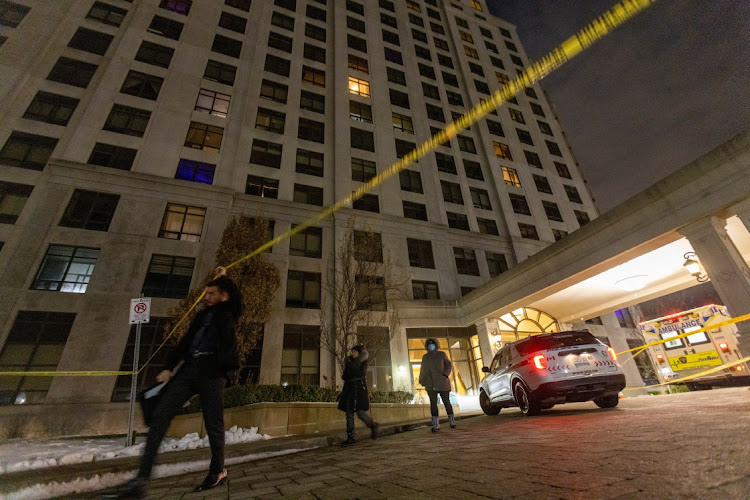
(601, 26)
(691, 377)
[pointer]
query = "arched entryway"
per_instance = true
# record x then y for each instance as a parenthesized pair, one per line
(521, 323)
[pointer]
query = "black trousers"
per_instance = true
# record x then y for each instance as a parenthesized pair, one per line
(197, 376)
(363, 416)
(445, 397)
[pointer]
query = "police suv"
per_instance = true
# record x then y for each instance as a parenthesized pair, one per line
(541, 371)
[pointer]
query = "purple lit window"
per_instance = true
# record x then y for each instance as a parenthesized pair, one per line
(178, 6)
(195, 171)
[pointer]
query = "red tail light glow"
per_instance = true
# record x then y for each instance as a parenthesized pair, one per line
(612, 353)
(660, 358)
(540, 361)
(724, 346)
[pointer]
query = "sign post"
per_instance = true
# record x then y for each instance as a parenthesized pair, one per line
(140, 312)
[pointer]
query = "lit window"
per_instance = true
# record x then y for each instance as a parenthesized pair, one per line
(205, 137)
(213, 103)
(502, 151)
(476, 5)
(510, 176)
(66, 269)
(182, 222)
(359, 86)
(195, 171)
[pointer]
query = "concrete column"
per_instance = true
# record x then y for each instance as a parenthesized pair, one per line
(484, 327)
(725, 266)
(743, 213)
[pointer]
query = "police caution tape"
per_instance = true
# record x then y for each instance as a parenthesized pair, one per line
(594, 31)
(694, 376)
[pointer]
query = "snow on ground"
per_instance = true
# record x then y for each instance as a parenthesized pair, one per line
(109, 480)
(22, 454)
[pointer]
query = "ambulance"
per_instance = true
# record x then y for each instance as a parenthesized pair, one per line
(694, 354)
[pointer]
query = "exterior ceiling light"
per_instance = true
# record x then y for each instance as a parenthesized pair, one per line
(694, 267)
(632, 283)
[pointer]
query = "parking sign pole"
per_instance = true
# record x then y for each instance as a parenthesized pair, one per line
(129, 440)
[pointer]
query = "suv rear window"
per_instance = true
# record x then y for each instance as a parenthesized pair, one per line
(553, 341)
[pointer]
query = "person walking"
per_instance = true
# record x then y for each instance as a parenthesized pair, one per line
(434, 375)
(207, 355)
(354, 397)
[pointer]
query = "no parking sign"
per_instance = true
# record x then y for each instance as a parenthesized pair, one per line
(140, 310)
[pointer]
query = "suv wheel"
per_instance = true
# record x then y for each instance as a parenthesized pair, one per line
(528, 405)
(607, 401)
(487, 407)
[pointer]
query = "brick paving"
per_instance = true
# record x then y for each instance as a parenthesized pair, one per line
(691, 445)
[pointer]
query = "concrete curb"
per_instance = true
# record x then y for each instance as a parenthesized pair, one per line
(17, 480)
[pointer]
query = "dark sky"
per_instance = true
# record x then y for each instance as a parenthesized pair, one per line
(667, 87)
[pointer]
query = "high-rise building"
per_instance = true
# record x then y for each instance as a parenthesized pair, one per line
(131, 130)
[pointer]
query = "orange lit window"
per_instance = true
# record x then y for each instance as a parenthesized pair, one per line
(476, 5)
(502, 78)
(471, 52)
(510, 176)
(502, 151)
(466, 37)
(359, 86)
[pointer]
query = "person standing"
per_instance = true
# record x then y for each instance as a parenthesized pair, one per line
(207, 355)
(434, 375)
(354, 397)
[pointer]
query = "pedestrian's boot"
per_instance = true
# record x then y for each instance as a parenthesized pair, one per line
(349, 439)
(135, 488)
(375, 430)
(435, 424)
(452, 420)
(212, 481)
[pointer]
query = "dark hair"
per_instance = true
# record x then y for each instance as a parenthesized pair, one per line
(235, 297)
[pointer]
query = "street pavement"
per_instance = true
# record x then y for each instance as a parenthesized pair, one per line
(689, 445)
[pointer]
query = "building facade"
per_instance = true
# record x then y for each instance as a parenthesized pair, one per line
(132, 130)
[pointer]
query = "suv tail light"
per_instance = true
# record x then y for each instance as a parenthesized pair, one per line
(660, 358)
(724, 347)
(612, 353)
(540, 361)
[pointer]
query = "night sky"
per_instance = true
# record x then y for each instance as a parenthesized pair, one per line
(667, 87)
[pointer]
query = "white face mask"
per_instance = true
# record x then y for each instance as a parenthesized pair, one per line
(431, 347)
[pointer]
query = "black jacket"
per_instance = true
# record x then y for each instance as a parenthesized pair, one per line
(435, 372)
(227, 357)
(354, 395)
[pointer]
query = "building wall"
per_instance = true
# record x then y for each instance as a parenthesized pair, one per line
(100, 330)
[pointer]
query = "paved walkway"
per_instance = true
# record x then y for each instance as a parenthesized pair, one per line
(691, 445)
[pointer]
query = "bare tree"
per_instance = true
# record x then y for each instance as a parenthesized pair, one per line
(360, 286)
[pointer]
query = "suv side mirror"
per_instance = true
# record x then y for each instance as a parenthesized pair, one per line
(485, 369)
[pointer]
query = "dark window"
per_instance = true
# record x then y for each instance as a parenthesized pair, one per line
(370, 293)
(528, 231)
(355, 24)
(497, 263)
(573, 194)
(368, 246)
(505, 33)
(452, 192)
(281, 42)
(355, 7)
(220, 72)
(482, 87)
(90, 210)
(390, 37)
(356, 43)
(108, 14)
(127, 120)
(313, 31)
(553, 148)
(270, 120)
(498, 63)
(458, 221)
(286, 4)
(552, 211)
(12, 200)
(307, 243)
(51, 108)
(177, 6)
(432, 92)
(309, 162)
(473, 170)
(425, 290)
(426, 71)
(285, 22)
(312, 102)
(166, 27)
(35, 343)
(91, 41)
(454, 98)
(266, 153)
(168, 276)
(314, 53)
(411, 181)
(415, 210)
(262, 186)
(360, 112)
(66, 269)
(466, 144)
(542, 184)
(562, 170)
(559, 234)
(418, 35)
(239, 4)
(420, 253)
(154, 54)
(110, 156)
(533, 159)
(300, 358)
(450, 79)
(27, 150)
(476, 69)
(358, 63)
(363, 170)
(315, 13)
(72, 72)
(414, 19)
(368, 203)
(314, 76)
(205, 137)
(525, 137)
(396, 76)
(399, 98)
(434, 14)
(445, 163)
(445, 61)
(537, 109)
(544, 127)
(530, 92)
(387, 5)
(393, 56)
(142, 85)
(233, 23)
(465, 290)
(439, 43)
(519, 203)
(309, 195)
(403, 148)
(195, 171)
(227, 46)
(388, 20)
(466, 261)
(277, 65)
(516, 60)
(182, 222)
(423, 52)
(485, 32)
(480, 198)
(487, 226)
(495, 128)
(582, 217)
(303, 290)
(311, 130)
(274, 91)
(362, 139)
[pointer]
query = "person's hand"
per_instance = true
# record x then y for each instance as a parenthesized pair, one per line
(164, 376)
(220, 271)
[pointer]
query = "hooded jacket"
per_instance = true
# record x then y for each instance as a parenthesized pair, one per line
(354, 396)
(436, 369)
